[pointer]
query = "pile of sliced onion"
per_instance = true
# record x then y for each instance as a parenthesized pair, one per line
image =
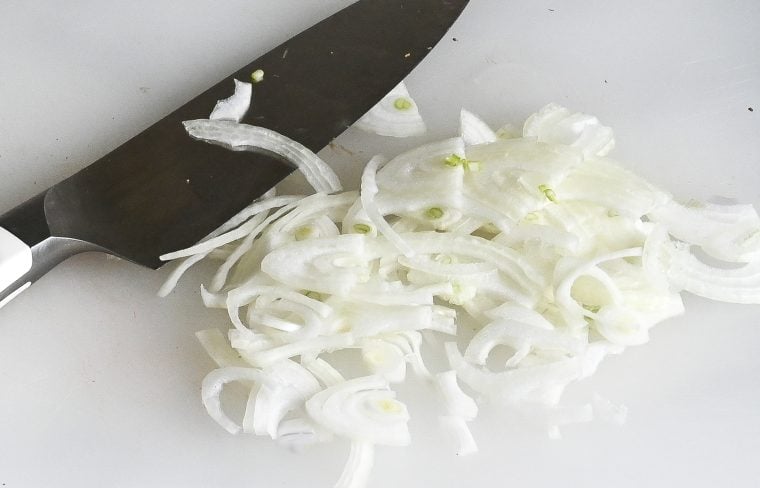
(547, 248)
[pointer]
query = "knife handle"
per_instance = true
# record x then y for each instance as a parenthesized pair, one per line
(15, 262)
(28, 250)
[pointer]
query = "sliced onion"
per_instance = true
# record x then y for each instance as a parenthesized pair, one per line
(458, 403)
(739, 285)
(299, 433)
(285, 386)
(244, 137)
(538, 243)
(324, 371)
(235, 107)
(606, 183)
(518, 335)
(396, 115)
(368, 192)
(384, 359)
(217, 346)
(363, 410)
(557, 125)
(474, 130)
(233, 235)
(358, 466)
(211, 389)
(460, 433)
(570, 273)
(540, 383)
(409, 342)
(332, 265)
(727, 232)
(314, 346)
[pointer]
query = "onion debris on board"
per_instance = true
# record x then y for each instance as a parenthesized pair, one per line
(235, 107)
(543, 245)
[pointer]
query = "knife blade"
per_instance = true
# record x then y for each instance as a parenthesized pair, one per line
(161, 190)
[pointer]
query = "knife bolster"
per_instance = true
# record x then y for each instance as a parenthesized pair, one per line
(26, 265)
(28, 251)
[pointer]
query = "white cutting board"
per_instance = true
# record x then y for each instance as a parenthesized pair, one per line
(99, 379)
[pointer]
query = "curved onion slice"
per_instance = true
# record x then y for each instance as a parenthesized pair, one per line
(235, 234)
(739, 285)
(324, 371)
(369, 190)
(211, 389)
(539, 383)
(244, 137)
(396, 115)
(384, 359)
(474, 130)
(358, 466)
(557, 125)
(458, 403)
(300, 433)
(606, 183)
(333, 265)
(727, 232)
(218, 347)
(519, 336)
(363, 410)
(285, 386)
(457, 428)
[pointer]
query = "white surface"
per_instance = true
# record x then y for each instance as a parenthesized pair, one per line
(15, 259)
(99, 379)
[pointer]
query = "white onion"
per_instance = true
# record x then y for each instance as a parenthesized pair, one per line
(211, 389)
(457, 402)
(358, 466)
(218, 347)
(460, 433)
(235, 107)
(384, 359)
(474, 130)
(368, 192)
(231, 236)
(557, 125)
(727, 232)
(537, 254)
(324, 371)
(740, 285)
(285, 386)
(244, 137)
(363, 410)
(396, 115)
(299, 433)
(538, 383)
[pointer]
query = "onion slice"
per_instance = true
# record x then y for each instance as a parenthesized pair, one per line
(244, 137)
(235, 107)
(396, 115)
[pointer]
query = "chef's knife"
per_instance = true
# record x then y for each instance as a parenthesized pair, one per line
(161, 190)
